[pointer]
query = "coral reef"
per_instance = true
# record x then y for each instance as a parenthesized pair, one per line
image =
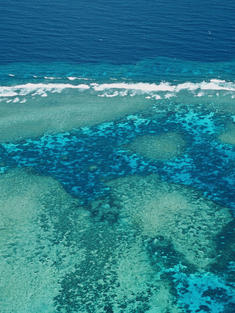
(32, 260)
(161, 146)
(228, 135)
(204, 293)
(178, 213)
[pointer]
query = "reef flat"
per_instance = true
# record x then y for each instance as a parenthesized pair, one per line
(117, 188)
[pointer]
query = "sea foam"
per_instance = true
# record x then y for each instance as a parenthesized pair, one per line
(144, 88)
(213, 84)
(25, 89)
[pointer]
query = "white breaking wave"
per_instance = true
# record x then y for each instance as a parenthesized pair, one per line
(213, 84)
(37, 89)
(77, 78)
(120, 89)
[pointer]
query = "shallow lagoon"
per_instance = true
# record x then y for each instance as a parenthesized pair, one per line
(92, 219)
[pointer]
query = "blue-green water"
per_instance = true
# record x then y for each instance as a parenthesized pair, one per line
(117, 187)
(117, 157)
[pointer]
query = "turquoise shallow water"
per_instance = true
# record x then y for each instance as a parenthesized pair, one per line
(117, 187)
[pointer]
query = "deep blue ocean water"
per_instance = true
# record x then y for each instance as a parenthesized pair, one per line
(117, 156)
(116, 31)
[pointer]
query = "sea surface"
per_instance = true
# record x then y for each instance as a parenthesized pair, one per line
(117, 156)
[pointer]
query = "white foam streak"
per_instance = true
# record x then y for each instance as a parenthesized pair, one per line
(5, 93)
(37, 89)
(169, 95)
(16, 100)
(144, 87)
(78, 78)
(120, 89)
(167, 87)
